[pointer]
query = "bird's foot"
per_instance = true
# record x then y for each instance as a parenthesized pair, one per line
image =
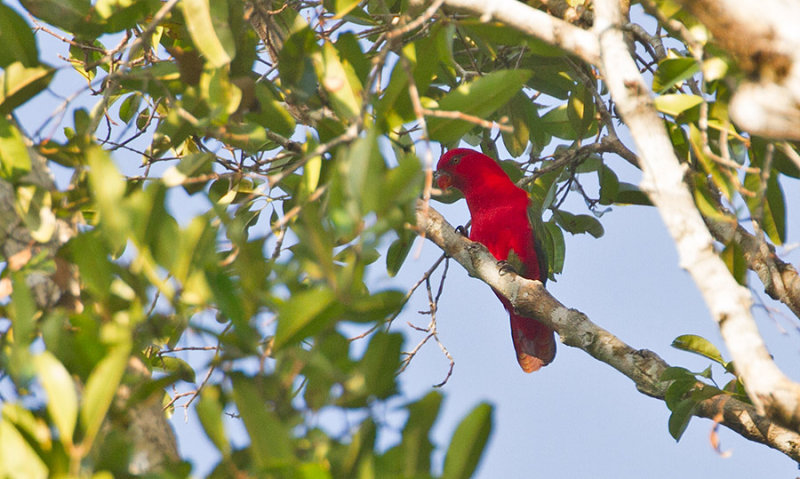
(506, 267)
(462, 230)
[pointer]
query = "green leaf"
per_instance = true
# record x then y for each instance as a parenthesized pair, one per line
(397, 253)
(480, 98)
(269, 437)
(609, 185)
(580, 111)
(576, 224)
(207, 22)
(380, 363)
(343, 7)
(209, 411)
(776, 204)
(62, 403)
(517, 139)
(698, 345)
(100, 390)
(68, 15)
(271, 114)
(468, 443)
(14, 158)
(675, 372)
(705, 200)
(415, 448)
(733, 257)
(17, 38)
(376, 306)
(22, 312)
(18, 457)
(675, 104)
(720, 175)
(189, 166)
(629, 194)
(679, 419)
(558, 122)
(302, 315)
(20, 84)
(556, 248)
(340, 81)
(673, 70)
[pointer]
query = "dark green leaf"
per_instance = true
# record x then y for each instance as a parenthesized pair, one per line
(609, 185)
(577, 224)
(19, 43)
(480, 98)
(68, 15)
(673, 70)
(680, 417)
(733, 257)
(209, 411)
(380, 363)
(397, 253)
(269, 437)
(302, 315)
(629, 194)
(558, 123)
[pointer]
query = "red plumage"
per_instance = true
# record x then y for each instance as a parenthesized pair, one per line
(500, 221)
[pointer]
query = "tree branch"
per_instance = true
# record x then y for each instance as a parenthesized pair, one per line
(535, 23)
(770, 390)
(780, 279)
(642, 366)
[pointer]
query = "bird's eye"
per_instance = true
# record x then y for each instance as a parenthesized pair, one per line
(456, 160)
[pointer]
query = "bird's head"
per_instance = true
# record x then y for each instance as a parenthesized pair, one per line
(461, 168)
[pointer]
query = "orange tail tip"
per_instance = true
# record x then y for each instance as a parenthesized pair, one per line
(534, 343)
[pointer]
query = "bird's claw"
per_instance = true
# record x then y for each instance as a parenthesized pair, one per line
(505, 267)
(462, 230)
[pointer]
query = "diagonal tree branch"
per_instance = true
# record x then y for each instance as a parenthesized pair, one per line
(771, 391)
(535, 23)
(780, 279)
(642, 366)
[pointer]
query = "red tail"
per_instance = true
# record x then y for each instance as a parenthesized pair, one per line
(534, 342)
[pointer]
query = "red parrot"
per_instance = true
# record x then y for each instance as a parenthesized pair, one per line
(500, 221)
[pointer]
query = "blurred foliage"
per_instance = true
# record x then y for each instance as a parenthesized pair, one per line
(297, 135)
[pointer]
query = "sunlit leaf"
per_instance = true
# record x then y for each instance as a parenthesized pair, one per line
(100, 389)
(468, 442)
(698, 345)
(20, 84)
(207, 22)
(14, 158)
(62, 404)
(675, 104)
